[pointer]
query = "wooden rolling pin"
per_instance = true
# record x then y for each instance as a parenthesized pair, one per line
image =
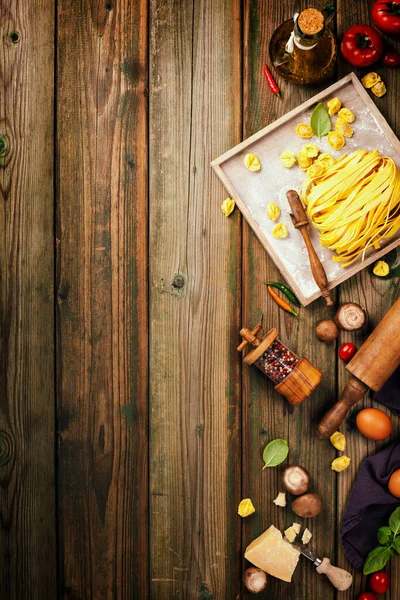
(371, 367)
(300, 221)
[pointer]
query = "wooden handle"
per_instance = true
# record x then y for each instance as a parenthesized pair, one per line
(300, 221)
(353, 391)
(339, 578)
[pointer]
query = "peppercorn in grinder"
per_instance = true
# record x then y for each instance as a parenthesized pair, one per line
(294, 377)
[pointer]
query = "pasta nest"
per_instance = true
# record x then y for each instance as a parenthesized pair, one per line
(354, 203)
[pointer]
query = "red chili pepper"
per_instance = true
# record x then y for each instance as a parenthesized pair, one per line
(271, 81)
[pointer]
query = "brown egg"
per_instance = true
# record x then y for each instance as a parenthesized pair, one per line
(374, 424)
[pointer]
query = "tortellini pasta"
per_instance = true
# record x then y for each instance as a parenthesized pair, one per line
(370, 79)
(273, 211)
(334, 106)
(252, 162)
(344, 128)
(288, 159)
(304, 130)
(304, 161)
(280, 231)
(347, 115)
(311, 150)
(379, 89)
(336, 140)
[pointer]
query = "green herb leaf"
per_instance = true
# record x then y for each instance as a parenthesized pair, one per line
(396, 544)
(320, 121)
(384, 535)
(394, 521)
(376, 559)
(275, 453)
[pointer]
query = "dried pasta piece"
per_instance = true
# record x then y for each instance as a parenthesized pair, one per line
(280, 231)
(310, 150)
(304, 161)
(273, 211)
(381, 268)
(228, 206)
(370, 79)
(344, 128)
(326, 159)
(346, 115)
(336, 140)
(251, 162)
(315, 170)
(340, 464)
(246, 508)
(334, 105)
(288, 159)
(304, 130)
(379, 89)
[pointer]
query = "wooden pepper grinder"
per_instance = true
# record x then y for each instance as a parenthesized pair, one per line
(300, 222)
(294, 377)
(371, 367)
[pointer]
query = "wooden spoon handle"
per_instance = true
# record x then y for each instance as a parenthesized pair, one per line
(353, 391)
(339, 578)
(317, 268)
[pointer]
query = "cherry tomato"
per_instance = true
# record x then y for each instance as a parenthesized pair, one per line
(379, 582)
(394, 484)
(391, 59)
(374, 424)
(347, 351)
(367, 596)
(386, 16)
(362, 45)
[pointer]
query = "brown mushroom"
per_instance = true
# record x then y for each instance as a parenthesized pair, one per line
(327, 331)
(296, 480)
(350, 316)
(307, 506)
(255, 580)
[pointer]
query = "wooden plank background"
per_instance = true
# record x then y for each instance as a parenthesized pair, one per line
(129, 429)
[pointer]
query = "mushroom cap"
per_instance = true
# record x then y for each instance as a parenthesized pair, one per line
(307, 506)
(350, 316)
(327, 330)
(296, 479)
(255, 580)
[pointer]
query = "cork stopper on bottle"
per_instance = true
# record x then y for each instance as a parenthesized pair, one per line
(310, 21)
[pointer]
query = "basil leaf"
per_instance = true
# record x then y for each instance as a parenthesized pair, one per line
(396, 544)
(320, 121)
(384, 535)
(275, 453)
(394, 521)
(376, 560)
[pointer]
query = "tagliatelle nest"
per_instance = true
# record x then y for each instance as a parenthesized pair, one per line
(355, 203)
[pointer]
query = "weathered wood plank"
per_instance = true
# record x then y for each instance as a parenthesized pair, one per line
(377, 296)
(27, 500)
(266, 414)
(102, 292)
(195, 114)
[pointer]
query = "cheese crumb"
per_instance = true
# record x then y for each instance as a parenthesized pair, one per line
(280, 500)
(307, 535)
(296, 527)
(290, 534)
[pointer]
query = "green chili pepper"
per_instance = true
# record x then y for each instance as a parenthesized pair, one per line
(288, 293)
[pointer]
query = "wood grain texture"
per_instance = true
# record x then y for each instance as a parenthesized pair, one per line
(102, 292)
(377, 296)
(195, 114)
(27, 498)
(266, 415)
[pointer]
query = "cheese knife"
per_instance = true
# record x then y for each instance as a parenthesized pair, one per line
(339, 578)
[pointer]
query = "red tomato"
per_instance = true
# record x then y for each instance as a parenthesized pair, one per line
(374, 424)
(367, 596)
(347, 351)
(379, 582)
(394, 484)
(386, 16)
(362, 45)
(391, 59)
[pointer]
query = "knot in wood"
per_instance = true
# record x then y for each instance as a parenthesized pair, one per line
(178, 281)
(6, 447)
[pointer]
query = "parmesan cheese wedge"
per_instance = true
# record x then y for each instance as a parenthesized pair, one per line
(273, 555)
(307, 535)
(297, 528)
(290, 534)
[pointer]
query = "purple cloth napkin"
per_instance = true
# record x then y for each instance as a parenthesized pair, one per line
(389, 394)
(370, 504)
